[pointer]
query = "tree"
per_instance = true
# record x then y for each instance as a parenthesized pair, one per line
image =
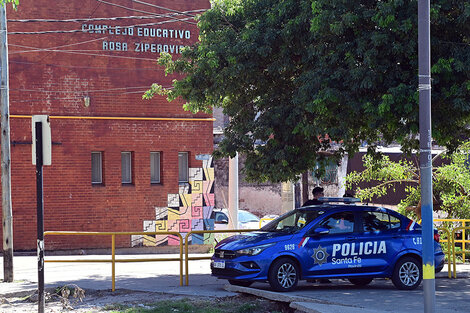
(451, 182)
(14, 3)
(297, 77)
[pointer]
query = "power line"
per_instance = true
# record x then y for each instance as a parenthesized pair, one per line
(95, 54)
(88, 67)
(140, 11)
(81, 52)
(76, 98)
(81, 31)
(69, 39)
(137, 17)
(156, 6)
(45, 49)
(87, 91)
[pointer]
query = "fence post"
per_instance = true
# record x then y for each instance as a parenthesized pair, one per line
(453, 252)
(186, 256)
(113, 258)
(463, 241)
(181, 260)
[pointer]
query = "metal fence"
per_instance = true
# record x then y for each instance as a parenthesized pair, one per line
(452, 236)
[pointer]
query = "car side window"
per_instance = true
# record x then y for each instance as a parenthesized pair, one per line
(379, 221)
(219, 217)
(339, 223)
(394, 222)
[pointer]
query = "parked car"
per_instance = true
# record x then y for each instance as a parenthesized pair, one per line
(330, 240)
(246, 220)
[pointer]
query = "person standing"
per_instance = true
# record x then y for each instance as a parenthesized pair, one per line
(317, 193)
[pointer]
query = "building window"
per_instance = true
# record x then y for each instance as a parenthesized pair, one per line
(183, 166)
(154, 167)
(330, 176)
(126, 167)
(96, 168)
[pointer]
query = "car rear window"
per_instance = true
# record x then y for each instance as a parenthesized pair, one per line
(379, 221)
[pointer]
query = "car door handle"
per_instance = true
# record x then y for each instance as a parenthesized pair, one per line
(350, 238)
(397, 236)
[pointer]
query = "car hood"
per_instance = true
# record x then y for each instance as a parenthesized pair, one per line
(251, 239)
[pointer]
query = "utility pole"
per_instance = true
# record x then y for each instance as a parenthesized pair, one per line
(7, 216)
(233, 192)
(425, 153)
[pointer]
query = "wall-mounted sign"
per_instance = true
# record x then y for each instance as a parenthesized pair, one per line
(144, 32)
(202, 157)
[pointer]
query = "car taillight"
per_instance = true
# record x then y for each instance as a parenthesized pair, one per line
(437, 237)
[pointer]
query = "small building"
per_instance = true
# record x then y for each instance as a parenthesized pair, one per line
(119, 163)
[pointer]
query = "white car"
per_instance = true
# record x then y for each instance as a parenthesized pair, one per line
(246, 220)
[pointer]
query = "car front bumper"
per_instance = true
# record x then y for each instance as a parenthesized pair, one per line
(242, 268)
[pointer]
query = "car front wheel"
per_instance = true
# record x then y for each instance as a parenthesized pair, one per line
(284, 275)
(408, 274)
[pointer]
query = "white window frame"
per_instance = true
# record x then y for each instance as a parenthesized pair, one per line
(98, 181)
(129, 154)
(156, 164)
(183, 171)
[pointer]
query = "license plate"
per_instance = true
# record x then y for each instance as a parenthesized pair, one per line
(219, 264)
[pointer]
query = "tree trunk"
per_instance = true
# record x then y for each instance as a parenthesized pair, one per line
(304, 187)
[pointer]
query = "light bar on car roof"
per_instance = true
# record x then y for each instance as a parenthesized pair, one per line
(339, 199)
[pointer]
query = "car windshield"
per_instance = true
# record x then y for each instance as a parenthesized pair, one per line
(292, 221)
(246, 217)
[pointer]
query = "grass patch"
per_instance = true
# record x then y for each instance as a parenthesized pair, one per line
(237, 304)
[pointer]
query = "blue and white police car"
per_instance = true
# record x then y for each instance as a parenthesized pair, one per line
(330, 240)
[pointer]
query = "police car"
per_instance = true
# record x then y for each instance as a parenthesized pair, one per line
(331, 240)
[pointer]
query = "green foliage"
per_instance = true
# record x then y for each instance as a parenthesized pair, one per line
(451, 183)
(386, 173)
(297, 76)
(14, 3)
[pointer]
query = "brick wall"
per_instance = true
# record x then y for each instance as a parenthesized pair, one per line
(55, 83)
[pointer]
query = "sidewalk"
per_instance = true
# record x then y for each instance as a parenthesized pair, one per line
(452, 295)
(340, 296)
(142, 276)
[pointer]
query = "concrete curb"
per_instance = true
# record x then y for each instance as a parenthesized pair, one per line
(310, 307)
(299, 303)
(270, 295)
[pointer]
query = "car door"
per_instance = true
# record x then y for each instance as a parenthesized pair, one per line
(220, 220)
(329, 254)
(378, 241)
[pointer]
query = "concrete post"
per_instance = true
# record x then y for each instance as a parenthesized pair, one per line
(7, 216)
(233, 192)
(425, 153)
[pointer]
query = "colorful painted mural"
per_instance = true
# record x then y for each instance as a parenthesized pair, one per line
(189, 209)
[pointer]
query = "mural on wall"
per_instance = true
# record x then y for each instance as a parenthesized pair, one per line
(189, 209)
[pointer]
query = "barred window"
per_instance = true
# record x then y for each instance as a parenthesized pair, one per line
(154, 167)
(96, 168)
(183, 167)
(126, 167)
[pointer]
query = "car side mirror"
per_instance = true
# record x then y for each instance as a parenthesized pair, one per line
(320, 231)
(222, 221)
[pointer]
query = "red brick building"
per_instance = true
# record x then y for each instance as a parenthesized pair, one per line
(119, 163)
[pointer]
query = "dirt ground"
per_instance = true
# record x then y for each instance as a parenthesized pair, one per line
(101, 301)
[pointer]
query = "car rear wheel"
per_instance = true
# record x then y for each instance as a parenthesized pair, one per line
(283, 275)
(360, 281)
(242, 283)
(408, 274)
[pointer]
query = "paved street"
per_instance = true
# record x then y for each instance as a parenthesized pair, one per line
(452, 295)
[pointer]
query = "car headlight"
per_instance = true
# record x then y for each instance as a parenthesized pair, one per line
(254, 250)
